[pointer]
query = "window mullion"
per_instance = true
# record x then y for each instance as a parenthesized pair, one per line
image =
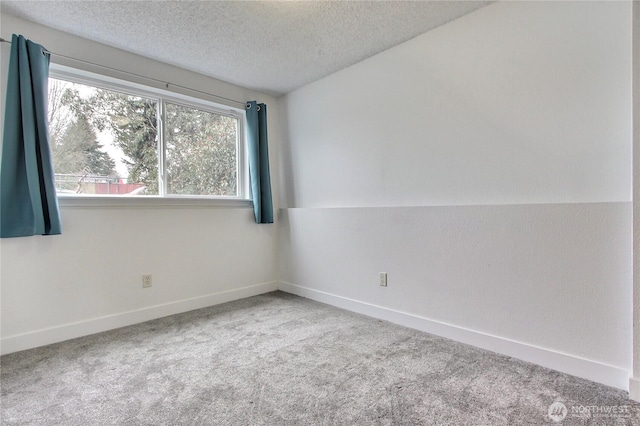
(162, 172)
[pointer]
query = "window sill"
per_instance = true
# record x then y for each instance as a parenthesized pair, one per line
(111, 201)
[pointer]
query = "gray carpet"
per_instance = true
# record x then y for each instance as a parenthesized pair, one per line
(279, 359)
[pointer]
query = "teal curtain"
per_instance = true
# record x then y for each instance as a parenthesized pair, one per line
(28, 203)
(259, 162)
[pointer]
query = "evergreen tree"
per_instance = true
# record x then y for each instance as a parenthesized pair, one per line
(132, 121)
(78, 151)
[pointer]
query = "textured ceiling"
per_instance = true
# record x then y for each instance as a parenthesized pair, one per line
(274, 47)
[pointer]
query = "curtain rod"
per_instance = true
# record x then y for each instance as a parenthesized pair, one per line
(166, 83)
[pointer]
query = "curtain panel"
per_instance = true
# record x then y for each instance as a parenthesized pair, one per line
(28, 202)
(259, 162)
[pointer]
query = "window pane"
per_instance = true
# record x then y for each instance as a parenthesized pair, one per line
(201, 151)
(102, 142)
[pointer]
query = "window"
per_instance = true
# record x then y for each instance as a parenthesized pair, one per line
(201, 151)
(110, 137)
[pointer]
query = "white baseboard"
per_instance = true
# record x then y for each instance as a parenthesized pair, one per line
(634, 388)
(587, 369)
(56, 334)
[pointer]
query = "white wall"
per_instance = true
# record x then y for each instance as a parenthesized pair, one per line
(516, 120)
(89, 278)
(515, 103)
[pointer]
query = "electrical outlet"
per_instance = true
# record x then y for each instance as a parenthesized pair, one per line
(383, 279)
(146, 280)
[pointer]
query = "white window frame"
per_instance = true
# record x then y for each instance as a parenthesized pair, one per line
(242, 199)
